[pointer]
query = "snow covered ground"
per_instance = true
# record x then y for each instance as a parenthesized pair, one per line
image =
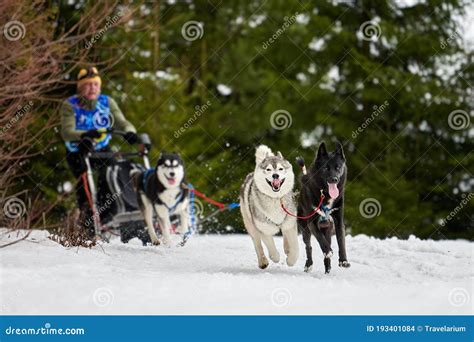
(218, 275)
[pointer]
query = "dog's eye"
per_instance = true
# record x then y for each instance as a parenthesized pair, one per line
(268, 169)
(280, 169)
(337, 168)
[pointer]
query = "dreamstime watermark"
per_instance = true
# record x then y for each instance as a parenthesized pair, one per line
(370, 31)
(281, 119)
(377, 111)
(21, 110)
(103, 296)
(46, 330)
(14, 208)
(110, 22)
(446, 42)
(287, 22)
(198, 111)
(106, 205)
(370, 208)
(14, 30)
(103, 121)
(458, 297)
(458, 208)
(281, 297)
(459, 119)
(197, 208)
(192, 30)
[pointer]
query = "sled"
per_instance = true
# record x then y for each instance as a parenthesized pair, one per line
(125, 218)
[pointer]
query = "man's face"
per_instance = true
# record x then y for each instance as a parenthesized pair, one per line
(90, 90)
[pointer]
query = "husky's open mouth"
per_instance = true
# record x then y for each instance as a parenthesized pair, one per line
(276, 184)
(171, 180)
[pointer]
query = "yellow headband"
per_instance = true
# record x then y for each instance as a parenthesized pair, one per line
(88, 75)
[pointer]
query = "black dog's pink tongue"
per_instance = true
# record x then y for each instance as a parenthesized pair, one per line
(276, 183)
(333, 190)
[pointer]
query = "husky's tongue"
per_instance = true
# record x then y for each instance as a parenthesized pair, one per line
(333, 190)
(276, 183)
(171, 181)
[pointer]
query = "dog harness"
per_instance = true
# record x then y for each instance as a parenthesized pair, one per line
(91, 119)
(146, 174)
(325, 214)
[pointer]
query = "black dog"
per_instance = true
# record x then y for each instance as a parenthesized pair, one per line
(327, 175)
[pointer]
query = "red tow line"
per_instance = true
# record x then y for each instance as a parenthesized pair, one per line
(314, 212)
(220, 205)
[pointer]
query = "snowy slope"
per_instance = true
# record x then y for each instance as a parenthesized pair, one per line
(219, 275)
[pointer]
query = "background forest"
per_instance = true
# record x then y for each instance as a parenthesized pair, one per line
(391, 80)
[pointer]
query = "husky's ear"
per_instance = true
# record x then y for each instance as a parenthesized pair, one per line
(261, 153)
(322, 152)
(340, 150)
(279, 155)
(160, 158)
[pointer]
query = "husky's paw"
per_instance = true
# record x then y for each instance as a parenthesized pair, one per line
(155, 242)
(291, 259)
(275, 257)
(308, 269)
(344, 264)
(328, 255)
(327, 265)
(182, 230)
(263, 264)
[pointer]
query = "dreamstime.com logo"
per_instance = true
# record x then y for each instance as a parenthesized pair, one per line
(281, 119)
(110, 22)
(458, 297)
(459, 119)
(103, 296)
(14, 208)
(288, 21)
(14, 30)
(21, 111)
(197, 208)
(103, 121)
(377, 111)
(192, 30)
(458, 208)
(370, 208)
(370, 31)
(281, 297)
(46, 330)
(199, 110)
(106, 205)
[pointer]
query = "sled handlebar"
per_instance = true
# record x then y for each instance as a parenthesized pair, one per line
(143, 138)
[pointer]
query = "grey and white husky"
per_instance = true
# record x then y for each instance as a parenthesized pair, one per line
(261, 198)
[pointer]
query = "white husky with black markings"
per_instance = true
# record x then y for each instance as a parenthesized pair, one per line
(161, 190)
(261, 196)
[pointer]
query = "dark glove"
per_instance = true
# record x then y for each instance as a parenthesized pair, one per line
(86, 145)
(91, 134)
(131, 137)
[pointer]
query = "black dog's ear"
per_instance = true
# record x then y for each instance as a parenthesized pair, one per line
(322, 152)
(340, 150)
